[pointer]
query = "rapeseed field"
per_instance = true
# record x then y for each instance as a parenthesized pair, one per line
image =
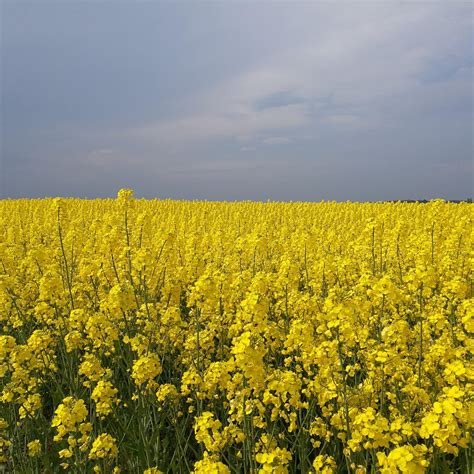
(147, 336)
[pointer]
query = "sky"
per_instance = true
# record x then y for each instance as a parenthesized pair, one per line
(300, 101)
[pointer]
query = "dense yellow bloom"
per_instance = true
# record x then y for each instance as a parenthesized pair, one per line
(272, 337)
(34, 448)
(406, 459)
(124, 195)
(92, 369)
(167, 391)
(4, 442)
(444, 422)
(274, 460)
(103, 447)
(104, 396)
(324, 464)
(207, 431)
(146, 369)
(370, 429)
(210, 465)
(69, 417)
(30, 406)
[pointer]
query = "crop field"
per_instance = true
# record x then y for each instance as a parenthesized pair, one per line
(147, 336)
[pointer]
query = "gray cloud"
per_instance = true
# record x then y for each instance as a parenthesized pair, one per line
(276, 140)
(278, 99)
(372, 101)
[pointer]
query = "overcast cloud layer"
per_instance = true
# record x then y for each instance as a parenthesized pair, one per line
(224, 101)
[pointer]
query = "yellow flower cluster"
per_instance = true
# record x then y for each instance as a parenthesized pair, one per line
(406, 459)
(103, 447)
(34, 448)
(70, 420)
(146, 369)
(105, 397)
(274, 461)
(168, 336)
(210, 465)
